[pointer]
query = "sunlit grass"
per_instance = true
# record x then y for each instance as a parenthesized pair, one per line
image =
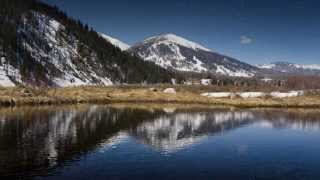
(144, 94)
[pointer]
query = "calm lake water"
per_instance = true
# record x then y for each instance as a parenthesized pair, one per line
(115, 142)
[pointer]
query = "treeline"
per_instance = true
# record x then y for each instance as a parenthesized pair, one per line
(303, 82)
(297, 82)
(130, 69)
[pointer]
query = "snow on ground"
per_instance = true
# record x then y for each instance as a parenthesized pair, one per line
(266, 79)
(123, 46)
(253, 94)
(5, 81)
(170, 91)
(206, 82)
(218, 94)
(286, 95)
(8, 72)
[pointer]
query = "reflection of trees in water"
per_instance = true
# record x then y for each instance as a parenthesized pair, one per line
(50, 137)
(39, 139)
(291, 118)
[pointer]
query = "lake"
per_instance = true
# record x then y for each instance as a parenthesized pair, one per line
(159, 142)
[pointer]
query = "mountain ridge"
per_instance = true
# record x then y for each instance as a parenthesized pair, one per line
(174, 52)
(292, 68)
(116, 42)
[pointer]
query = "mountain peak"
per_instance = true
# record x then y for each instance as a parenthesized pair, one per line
(174, 52)
(172, 38)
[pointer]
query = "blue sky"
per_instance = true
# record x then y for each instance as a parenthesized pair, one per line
(254, 31)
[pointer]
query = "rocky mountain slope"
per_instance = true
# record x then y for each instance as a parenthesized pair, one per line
(173, 52)
(40, 45)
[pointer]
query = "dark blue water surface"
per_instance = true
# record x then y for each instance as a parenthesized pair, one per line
(120, 142)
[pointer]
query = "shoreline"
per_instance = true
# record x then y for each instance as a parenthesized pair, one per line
(20, 96)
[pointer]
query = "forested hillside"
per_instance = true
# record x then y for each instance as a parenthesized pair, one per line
(41, 45)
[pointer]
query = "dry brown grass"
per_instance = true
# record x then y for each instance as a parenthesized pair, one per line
(143, 94)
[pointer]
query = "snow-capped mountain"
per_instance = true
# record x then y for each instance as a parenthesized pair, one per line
(292, 68)
(116, 42)
(173, 52)
(173, 132)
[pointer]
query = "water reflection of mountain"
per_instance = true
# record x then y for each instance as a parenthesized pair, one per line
(172, 132)
(37, 140)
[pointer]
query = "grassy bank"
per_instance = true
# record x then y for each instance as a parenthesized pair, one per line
(139, 94)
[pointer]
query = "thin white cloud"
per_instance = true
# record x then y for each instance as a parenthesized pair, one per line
(246, 40)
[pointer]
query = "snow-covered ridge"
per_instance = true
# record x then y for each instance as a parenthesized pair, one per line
(116, 42)
(308, 66)
(290, 65)
(172, 38)
(266, 66)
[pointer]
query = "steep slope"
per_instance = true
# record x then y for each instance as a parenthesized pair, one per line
(67, 61)
(116, 42)
(292, 68)
(173, 52)
(41, 46)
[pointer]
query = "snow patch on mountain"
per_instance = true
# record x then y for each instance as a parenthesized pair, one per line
(172, 58)
(172, 38)
(239, 73)
(62, 56)
(7, 74)
(116, 42)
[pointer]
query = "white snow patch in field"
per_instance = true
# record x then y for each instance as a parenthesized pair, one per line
(266, 79)
(218, 94)
(170, 91)
(286, 95)
(206, 82)
(251, 94)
